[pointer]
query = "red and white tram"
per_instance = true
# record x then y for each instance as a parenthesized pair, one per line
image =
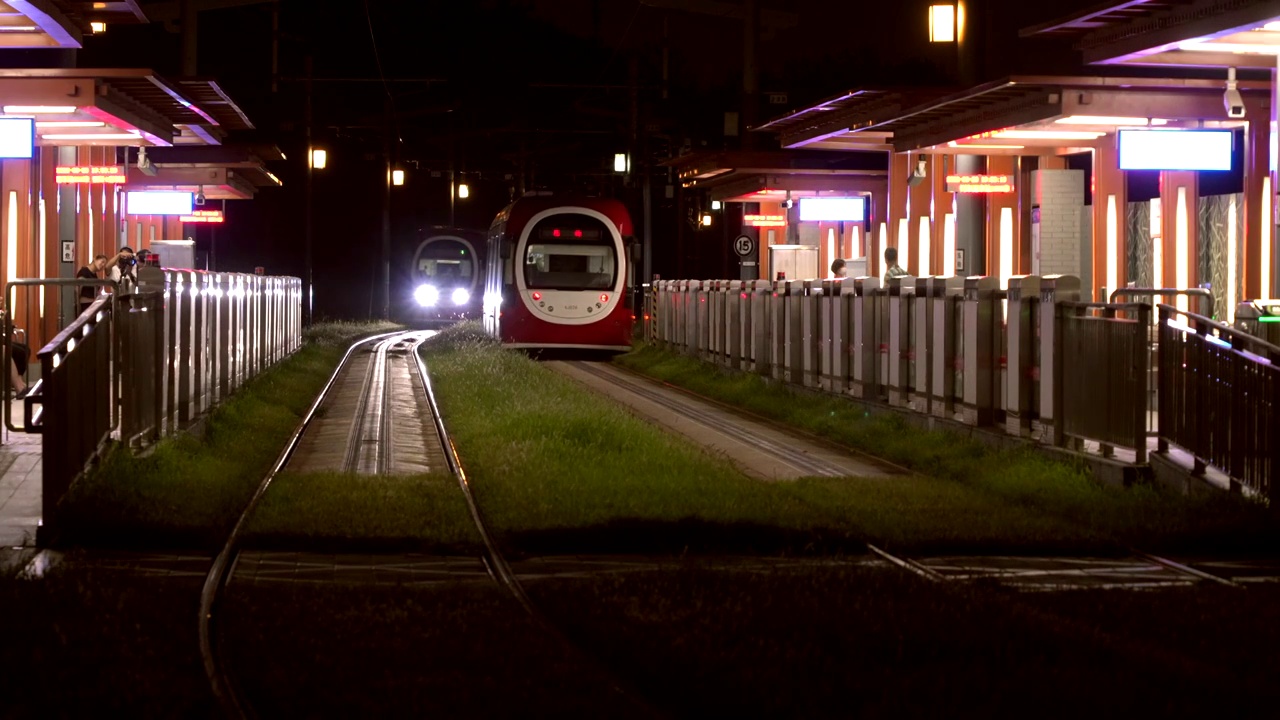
(557, 274)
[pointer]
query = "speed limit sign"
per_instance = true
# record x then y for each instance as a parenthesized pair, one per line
(744, 245)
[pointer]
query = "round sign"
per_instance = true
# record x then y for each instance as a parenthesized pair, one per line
(744, 245)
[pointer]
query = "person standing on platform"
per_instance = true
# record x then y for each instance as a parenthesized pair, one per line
(123, 271)
(90, 272)
(892, 268)
(838, 268)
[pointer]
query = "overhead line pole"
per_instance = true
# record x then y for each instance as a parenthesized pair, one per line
(307, 224)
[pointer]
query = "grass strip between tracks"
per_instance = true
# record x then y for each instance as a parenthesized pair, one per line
(188, 491)
(559, 469)
(1142, 515)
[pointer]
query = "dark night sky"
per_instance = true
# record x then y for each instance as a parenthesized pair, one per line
(499, 65)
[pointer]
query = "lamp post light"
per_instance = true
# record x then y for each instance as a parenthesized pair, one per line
(397, 177)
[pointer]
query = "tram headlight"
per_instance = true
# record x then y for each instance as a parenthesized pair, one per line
(461, 296)
(426, 295)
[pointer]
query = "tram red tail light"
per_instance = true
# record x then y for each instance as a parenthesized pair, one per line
(604, 297)
(555, 233)
(577, 233)
(537, 296)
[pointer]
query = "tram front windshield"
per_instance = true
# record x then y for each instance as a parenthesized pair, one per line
(570, 252)
(445, 263)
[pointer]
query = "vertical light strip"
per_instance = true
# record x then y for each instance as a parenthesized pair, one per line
(11, 237)
(904, 240)
(1006, 246)
(1268, 224)
(43, 250)
(949, 244)
(925, 249)
(1113, 242)
(884, 243)
(831, 249)
(1006, 255)
(1157, 247)
(1180, 238)
(855, 243)
(1232, 238)
(89, 214)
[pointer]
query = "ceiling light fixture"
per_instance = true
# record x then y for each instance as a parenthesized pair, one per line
(39, 109)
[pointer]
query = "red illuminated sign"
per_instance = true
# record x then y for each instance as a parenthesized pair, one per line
(764, 220)
(85, 174)
(203, 216)
(980, 183)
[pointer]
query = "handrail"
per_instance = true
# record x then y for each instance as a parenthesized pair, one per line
(6, 333)
(1155, 292)
(1224, 329)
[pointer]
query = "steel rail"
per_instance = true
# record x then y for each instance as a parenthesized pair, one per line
(743, 412)
(795, 458)
(223, 565)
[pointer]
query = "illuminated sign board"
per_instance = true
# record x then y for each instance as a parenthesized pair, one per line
(17, 138)
(1175, 149)
(156, 202)
(833, 209)
(77, 174)
(764, 220)
(203, 216)
(966, 184)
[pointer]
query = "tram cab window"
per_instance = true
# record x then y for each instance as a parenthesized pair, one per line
(445, 261)
(570, 252)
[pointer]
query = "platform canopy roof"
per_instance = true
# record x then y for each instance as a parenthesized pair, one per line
(224, 172)
(1025, 115)
(1187, 33)
(61, 23)
(119, 107)
(754, 176)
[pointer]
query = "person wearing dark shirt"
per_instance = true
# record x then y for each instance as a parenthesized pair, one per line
(90, 272)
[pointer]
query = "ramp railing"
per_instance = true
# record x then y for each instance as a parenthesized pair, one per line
(141, 366)
(1219, 390)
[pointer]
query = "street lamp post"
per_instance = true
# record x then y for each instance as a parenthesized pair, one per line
(306, 283)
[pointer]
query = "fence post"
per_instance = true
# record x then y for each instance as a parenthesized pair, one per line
(1059, 372)
(1141, 361)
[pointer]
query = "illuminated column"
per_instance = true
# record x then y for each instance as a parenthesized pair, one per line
(832, 253)
(1256, 180)
(1156, 233)
(904, 244)
(1003, 250)
(1179, 211)
(949, 244)
(1233, 280)
(1110, 231)
(1266, 257)
(924, 254)
(899, 195)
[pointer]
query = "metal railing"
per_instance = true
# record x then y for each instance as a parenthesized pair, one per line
(75, 396)
(1219, 390)
(1102, 389)
(144, 365)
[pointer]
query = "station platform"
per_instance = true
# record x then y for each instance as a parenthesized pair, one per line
(21, 466)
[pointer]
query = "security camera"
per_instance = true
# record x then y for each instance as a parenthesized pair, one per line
(1231, 99)
(919, 174)
(145, 166)
(200, 196)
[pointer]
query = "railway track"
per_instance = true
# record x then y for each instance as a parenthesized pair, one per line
(380, 431)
